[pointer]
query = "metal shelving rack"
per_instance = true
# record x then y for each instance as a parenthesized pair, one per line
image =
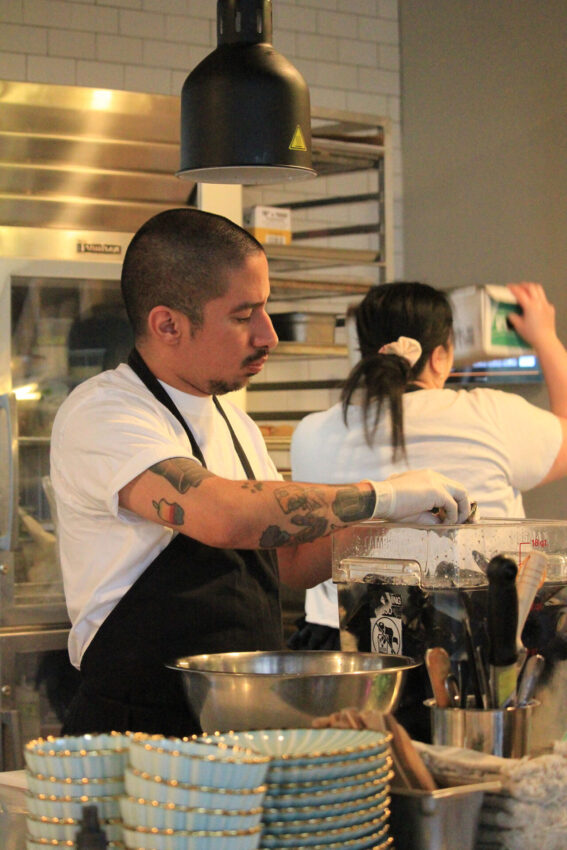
(342, 222)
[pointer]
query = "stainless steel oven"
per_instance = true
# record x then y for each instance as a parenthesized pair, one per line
(37, 683)
(61, 320)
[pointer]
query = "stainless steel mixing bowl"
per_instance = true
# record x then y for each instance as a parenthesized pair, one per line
(287, 689)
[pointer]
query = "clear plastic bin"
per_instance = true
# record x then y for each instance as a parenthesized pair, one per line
(405, 588)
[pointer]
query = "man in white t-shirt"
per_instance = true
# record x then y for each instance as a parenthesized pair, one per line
(170, 512)
(497, 443)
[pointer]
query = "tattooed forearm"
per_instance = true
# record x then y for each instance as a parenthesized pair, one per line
(312, 527)
(300, 497)
(306, 506)
(253, 486)
(350, 504)
(273, 537)
(181, 473)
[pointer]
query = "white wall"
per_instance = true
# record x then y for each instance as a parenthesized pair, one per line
(484, 96)
(348, 53)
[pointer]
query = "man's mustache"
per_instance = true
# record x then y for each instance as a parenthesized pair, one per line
(252, 358)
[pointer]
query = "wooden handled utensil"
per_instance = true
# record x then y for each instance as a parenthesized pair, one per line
(411, 771)
(438, 666)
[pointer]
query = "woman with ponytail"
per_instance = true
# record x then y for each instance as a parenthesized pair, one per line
(396, 414)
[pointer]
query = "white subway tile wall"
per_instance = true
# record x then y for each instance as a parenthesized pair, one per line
(348, 54)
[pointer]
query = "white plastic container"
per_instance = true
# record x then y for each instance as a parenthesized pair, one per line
(479, 323)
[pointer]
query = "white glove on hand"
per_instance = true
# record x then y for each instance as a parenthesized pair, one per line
(412, 496)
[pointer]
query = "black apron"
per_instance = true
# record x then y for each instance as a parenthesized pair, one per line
(191, 599)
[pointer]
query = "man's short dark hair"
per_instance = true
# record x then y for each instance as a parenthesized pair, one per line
(181, 258)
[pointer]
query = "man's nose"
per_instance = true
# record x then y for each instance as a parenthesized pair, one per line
(265, 335)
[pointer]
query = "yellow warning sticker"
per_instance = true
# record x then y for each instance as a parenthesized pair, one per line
(298, 142)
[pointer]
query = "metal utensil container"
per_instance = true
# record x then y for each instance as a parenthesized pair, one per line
(504, 732)
(405, 588)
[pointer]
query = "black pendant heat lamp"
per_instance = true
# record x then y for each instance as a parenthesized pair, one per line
(245, 115)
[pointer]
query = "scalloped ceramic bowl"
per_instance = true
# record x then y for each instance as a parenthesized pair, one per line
(53, 786)
(372, 831)
(71, 807)
(281, 797)
(319, 771)
(77, 757)
(39, 844)
(287, 689)
(380, 841)
(330, 785)
(297, 747)
(329, 810)
(147, 839)
(319, 821)
(65, 829)
(170, 816)
(214, 765)
(149, 787)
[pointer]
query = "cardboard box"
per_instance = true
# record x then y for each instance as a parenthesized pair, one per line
(270, 225)
(479, 322)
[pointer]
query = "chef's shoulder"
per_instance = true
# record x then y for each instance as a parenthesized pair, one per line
(501, 405)
(110, 400)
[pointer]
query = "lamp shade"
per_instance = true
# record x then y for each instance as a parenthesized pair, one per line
(245, 113)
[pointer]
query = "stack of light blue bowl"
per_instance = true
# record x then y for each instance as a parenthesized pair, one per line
(65, 774)
(328, 789)
(186, 793)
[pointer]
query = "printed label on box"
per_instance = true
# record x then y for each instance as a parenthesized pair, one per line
(269, 224)
(501, 334)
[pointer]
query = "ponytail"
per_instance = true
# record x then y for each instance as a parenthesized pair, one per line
(381, 378)
(385, 314)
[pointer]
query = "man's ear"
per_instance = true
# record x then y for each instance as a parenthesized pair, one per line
(165, 324)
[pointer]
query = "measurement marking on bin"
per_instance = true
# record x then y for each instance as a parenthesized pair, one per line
(534, 543)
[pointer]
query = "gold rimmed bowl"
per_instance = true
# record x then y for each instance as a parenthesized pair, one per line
(318, 822)
(166, 816)
(65, 829)
(320, 772)
(53, 786)
(198, 763)
(346, 810)
(43, 844)
(144, 838)
(43, 805)
(379, 841)
(306, 747)
(78, 757)
(150, 787)
(355, 788)
(361, 835)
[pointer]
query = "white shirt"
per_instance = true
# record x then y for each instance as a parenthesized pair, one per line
(109, 430)
(495, 443)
